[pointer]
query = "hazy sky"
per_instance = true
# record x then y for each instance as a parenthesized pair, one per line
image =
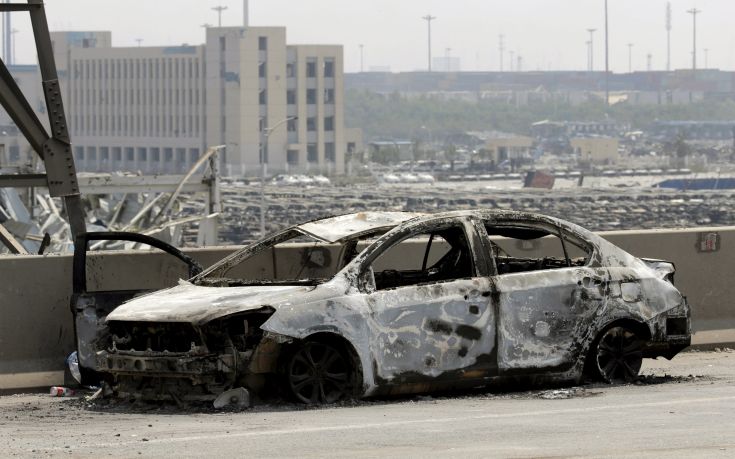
(548, 34)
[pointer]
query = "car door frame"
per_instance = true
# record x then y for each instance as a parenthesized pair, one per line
(586, 283)
(451, 378)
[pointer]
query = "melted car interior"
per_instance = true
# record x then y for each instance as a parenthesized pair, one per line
(433, 256)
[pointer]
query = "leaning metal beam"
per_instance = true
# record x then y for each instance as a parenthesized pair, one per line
(57, 154)
(164, 212)
(23, 181)
(54, 148)
(11, 242)
(109, 184)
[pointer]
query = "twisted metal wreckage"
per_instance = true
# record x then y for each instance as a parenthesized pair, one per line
(387, 303)
(33, 221)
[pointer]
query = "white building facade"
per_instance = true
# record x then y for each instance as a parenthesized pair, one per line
(157, 109)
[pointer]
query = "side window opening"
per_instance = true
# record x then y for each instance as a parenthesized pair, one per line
(522, 248)
(433, 256)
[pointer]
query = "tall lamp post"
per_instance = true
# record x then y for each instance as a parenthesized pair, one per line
(267, 133)
(428, 18)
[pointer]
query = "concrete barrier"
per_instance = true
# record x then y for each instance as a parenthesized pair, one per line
(36, 329)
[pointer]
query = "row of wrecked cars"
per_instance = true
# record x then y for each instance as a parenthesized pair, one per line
(380, 303)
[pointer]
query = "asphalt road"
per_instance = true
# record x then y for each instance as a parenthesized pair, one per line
(683, 408)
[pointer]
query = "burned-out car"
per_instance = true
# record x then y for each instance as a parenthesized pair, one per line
(389, 302)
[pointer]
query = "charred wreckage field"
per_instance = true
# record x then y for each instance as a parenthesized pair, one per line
(385, 303)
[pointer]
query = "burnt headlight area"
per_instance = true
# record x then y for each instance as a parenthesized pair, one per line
(241, 332)
(154, 337)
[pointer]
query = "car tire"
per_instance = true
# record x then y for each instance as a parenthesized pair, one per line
(317, 373)
(617, 355)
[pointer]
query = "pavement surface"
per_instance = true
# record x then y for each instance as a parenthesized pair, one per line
(682, 408)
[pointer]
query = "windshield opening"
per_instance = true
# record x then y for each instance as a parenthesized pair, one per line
(288, 258)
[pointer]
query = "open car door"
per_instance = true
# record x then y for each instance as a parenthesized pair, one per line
(98, 288)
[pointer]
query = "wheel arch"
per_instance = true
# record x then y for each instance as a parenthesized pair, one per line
(640, 328)
(333, 338)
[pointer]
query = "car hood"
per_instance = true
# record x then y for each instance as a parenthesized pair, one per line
(197, 304)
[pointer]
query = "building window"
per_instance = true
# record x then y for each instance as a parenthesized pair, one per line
(92, 153)
(329, 123)
(80, 153)
(291, 96)
(311, 68)
(292, 156)
(329, 96)
(291, 127)
(263, 43)
(262, 97)
(261, 70)
(156, 154)
(104, 153)
(142, 155)
(290, 70)
(329, 152)
(311, 123)
(311, 153)
(328, 68)
(116, 154)
(222, 42)
(168, 154)
(130, 154)
(193, 155)
(311, 96)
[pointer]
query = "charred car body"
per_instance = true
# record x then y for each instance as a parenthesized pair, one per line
(383, 303)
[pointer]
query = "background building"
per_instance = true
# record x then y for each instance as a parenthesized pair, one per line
(596, 150)
(157, 109)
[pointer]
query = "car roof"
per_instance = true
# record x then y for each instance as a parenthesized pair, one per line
(348, 226)
(335, 229)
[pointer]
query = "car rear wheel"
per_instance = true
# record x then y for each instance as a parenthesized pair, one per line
(619, 355)
(318, 373)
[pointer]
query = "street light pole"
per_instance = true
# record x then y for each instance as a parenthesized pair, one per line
(592, 49)
(267, 132)
(219, 9)
(607, 63)
(694, 13)
(428, 18)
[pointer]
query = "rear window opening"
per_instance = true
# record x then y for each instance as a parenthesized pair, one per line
(520, 248)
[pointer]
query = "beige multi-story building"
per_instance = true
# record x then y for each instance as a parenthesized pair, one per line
(268, 100)
(157, 109)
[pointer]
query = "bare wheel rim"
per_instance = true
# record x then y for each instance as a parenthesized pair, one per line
(318, 373)
(619, 355)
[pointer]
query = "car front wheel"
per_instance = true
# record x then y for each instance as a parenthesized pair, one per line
(318, 373)
(619, 355)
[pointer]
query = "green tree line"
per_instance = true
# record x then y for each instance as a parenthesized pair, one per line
(394, 116)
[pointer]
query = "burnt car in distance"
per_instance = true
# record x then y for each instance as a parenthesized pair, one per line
(377, 303)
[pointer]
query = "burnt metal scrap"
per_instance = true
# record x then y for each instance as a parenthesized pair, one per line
(387, 303)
